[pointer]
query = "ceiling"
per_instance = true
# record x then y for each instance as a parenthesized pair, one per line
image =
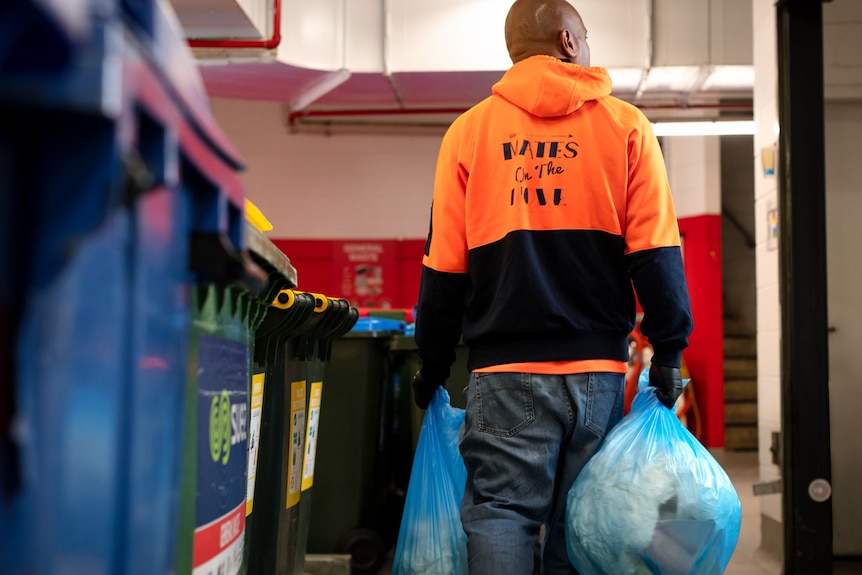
(341, 95)
(215, 19)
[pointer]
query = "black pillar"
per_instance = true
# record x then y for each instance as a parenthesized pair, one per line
(806, 455)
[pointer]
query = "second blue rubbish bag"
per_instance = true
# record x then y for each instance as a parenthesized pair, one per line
(652, 500)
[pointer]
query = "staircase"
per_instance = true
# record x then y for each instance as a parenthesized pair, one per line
(740, 390)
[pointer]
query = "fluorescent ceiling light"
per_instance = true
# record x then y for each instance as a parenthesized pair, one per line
(729, 128)
(671, 78)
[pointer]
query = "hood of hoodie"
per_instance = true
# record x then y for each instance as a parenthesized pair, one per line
(547, 87)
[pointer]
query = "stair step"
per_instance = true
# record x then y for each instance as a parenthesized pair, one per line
(740, 390)
(738, 327)
(740, 437)
(740, 387)
(740, 368)
(740, 346)
(740, 412)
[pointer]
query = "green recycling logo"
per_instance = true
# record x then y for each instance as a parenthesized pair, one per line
(220, 428)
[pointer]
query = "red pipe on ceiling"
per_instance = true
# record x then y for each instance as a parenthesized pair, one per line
(738, 107)
(373, 112)
(267, 44)
(727, 106)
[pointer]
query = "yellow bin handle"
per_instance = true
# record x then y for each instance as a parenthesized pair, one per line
(284, 299)
(321, 302)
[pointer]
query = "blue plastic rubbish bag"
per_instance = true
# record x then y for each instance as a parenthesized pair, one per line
(652, 500)
(431, 540)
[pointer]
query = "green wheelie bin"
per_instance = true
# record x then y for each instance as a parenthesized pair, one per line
(274, 509)
(316, 353)
(213, 488)
(351, 512)
(286, 344)
(220, 424)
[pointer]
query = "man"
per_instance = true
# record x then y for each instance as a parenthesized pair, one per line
(551, 201)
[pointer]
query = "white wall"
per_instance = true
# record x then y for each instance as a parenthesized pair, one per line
(844, 281)
(344, 186)
(380, 186)
(694, 172)
(766, 199)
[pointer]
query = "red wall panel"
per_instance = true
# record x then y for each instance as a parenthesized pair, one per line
(705, 354)
(323, 267)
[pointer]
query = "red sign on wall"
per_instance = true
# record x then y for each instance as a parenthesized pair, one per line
(366, 271)
(371, 273)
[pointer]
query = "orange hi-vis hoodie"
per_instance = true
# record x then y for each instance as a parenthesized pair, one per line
(551, 201)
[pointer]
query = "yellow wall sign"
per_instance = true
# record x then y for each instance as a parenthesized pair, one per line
(297, 424)
(254, 437)
(311, 434)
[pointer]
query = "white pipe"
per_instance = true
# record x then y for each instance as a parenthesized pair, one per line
(386, 39)
(648, 60)
(326, 84)
(387, 48)
(344, 34)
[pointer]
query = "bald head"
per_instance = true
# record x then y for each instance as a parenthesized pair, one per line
(547, 27)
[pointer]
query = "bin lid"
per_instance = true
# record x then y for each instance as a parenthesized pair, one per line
(268, 255)
(377, 327)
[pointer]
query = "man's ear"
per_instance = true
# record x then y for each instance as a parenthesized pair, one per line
(568, 44)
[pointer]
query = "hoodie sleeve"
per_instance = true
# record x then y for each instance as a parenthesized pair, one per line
(653, 250)
(445, 279)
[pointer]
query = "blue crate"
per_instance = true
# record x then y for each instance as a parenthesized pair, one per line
(96, 231)
(40, 34)
(140, 15)
(103, 281)
(57, 55)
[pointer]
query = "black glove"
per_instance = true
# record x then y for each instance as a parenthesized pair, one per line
(668, 383)
(423, 390)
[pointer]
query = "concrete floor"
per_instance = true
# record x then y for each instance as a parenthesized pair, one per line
(742, 467)
(748, 559)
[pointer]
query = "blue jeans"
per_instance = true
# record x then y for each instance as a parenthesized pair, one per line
(524, 441)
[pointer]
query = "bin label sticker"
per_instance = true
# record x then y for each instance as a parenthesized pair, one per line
(311, 434)
(219, 545)
(297, 425)
(222, 455)
(257, 381)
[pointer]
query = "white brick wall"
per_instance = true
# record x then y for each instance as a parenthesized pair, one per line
(694, 172)
(380, 186)
(766, 196)
(329, 187)
(844, 282)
